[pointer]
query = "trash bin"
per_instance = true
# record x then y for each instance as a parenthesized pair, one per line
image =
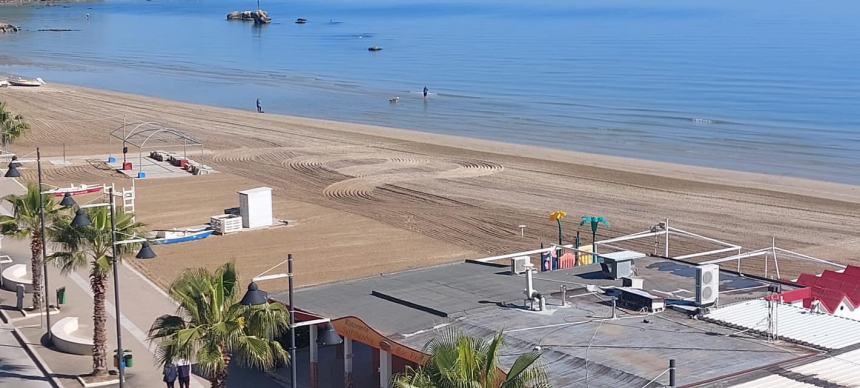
(141, 175)
(111, 160)
(127, 166)
(19, 297)
(61, 295)
(127, 359)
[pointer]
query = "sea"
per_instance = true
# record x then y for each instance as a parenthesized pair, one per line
(751, 85)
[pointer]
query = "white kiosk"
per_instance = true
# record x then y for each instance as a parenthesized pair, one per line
(255, 207)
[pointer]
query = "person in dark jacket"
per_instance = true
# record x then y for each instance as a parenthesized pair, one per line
(170, 374)
(184, 375)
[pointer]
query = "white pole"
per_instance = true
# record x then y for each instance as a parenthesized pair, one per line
(773, 249)
(529, 283)
(667, 239)
(347, 362)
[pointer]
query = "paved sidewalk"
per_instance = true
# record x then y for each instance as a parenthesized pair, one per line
(140, 302)
(16, 367)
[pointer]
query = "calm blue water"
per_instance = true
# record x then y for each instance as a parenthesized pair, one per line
(763, 86)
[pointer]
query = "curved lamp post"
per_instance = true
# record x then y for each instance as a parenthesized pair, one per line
(595, 222)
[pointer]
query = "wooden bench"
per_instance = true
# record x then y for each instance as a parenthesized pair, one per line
(67, 340)
(17, 274)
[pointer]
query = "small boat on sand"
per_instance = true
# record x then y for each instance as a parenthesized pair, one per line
(77, 190)
(165, 237)
(26, 82)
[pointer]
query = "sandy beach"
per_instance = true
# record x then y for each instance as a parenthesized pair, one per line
(364, 200)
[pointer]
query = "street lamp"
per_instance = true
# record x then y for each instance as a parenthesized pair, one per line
(12, 171)
(145, 252)
(256, 297)
(68, 202)
(330, 336)
(82, 220)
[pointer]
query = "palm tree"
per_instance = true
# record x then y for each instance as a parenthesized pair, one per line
(557, 216)
(91, 246)
(26, 223)
(457, 360)
(11, 126)
(211, 328)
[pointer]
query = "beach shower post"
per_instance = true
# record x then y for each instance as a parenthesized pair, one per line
(595, 222)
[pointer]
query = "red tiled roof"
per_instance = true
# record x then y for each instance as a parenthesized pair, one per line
(852, 272)
(830, 289)
(807, 280)
(829, 298)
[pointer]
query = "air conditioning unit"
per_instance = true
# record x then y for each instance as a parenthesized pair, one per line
(518, 264)
(707, 284)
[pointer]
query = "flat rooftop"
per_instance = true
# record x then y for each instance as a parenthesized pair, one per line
(631, 350)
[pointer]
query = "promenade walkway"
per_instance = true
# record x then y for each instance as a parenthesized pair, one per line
(141, 303)
(17, 369)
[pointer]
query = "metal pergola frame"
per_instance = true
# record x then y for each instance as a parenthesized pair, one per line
(664, 229)
(661, 229)
(771, 252)
(139, 134)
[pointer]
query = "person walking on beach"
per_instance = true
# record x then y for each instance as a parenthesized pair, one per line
(259, 107)
(425, 91)
(184, 372)
(170, 374)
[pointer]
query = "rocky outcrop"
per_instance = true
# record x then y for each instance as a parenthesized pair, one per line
(258, 17)
(6, 27)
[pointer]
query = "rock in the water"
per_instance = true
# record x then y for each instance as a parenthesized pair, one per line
(6, 27)
(258, 17)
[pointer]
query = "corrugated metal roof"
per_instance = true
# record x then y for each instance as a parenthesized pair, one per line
(841, 370)
(774, 381)
(793, 323)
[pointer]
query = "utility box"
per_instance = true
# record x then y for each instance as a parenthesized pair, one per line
(617, 265)
(255, 207)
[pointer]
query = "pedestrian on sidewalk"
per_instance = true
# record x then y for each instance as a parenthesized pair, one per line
(184, 375)
(170, 374)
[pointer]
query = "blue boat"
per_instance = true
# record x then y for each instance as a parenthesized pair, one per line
(164, 237)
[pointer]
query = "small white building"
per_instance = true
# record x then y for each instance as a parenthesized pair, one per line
(255, 207)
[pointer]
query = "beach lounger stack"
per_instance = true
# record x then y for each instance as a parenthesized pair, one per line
(193, 167)
(226, 223)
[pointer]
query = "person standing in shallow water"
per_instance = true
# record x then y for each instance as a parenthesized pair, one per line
(426, 91)
(259, 106)
(170, 374)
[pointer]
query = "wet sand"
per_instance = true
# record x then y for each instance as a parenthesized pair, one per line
(366, 200)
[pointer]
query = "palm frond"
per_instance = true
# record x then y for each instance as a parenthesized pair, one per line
(212, 329)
